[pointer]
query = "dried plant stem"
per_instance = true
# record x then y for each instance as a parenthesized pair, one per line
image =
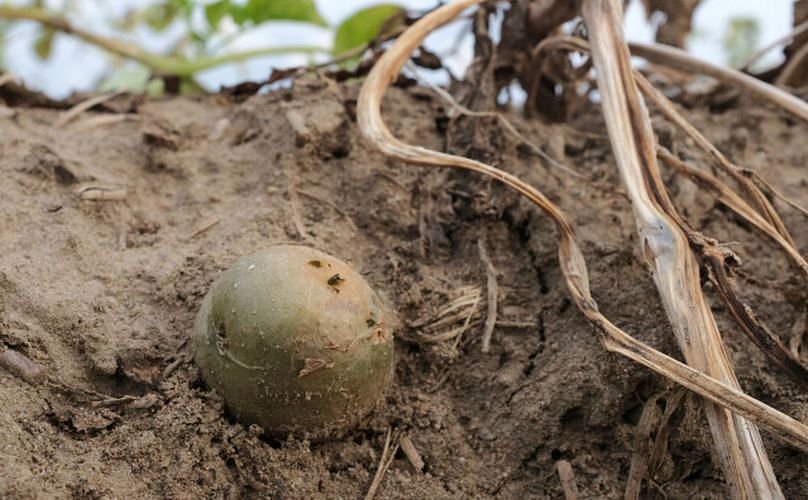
(72, 113)
(567, 477)
(643, 444)
(739, 175)
(794, 63)
(737, 204)
(714, 256)
(766, 340)
(774, 192)
(570, 256)
(667, 251)
(491, 294)
(169, 65)
(797, 31)
(391, 445)
(746, 178)
(663, 54)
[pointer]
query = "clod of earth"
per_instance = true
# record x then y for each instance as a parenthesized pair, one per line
(294, 340)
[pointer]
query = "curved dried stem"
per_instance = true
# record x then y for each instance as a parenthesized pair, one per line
(666, 245)
(775, 193)
(570, 256)
(737, 204)
(797, 31)
(765, 339)
(710, 253)
(792, 66)
(738, 174)
(746, 178)
(678, 58)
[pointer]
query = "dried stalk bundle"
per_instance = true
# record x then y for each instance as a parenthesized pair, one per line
(667, 249)
(571, 259)
(718, 259)
(678, 58)
(743, 178)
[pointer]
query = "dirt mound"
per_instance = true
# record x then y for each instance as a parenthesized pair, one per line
(103, 293)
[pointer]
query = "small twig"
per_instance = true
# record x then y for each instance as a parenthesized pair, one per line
(466, 324)
(101, 193)
(388, 454)
(641, 453)
(172, 367)
(297, 221)
(113, 401)
(797, 332)
(567, 477)
(203, 227)
(455, 333)
(797, 31)
(408, 447)
(661, 440)
(106, 120)
(664, 54)
(467, 296)
(81, 107)
(767, 187)
(794, 63)
(734, 202)
(491, 292)
(60, 385)
(516, 324)
(19, 364)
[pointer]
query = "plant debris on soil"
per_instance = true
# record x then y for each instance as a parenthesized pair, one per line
(98, 295)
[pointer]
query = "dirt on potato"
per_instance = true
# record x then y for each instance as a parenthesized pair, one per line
(103, 293)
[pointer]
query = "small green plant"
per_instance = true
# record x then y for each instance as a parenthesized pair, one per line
(205, 37)
(740, 40)
(295, 341)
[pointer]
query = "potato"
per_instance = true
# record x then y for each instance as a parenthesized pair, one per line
(294, 340)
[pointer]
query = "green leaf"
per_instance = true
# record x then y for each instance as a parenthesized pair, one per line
(216, 11)
(132, 78)
(185, 7)
(44, 44)
(740, 39)
(160, 16)
(259, 11)
(365, 25)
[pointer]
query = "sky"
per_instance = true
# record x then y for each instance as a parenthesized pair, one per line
(76, 66)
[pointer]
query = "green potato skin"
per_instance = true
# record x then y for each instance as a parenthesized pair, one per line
(294, 340)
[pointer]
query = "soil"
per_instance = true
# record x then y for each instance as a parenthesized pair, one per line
(103, 293)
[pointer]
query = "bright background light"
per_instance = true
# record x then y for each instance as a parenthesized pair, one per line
(77, 66)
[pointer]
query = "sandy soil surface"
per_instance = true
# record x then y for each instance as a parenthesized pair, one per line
(104, 293)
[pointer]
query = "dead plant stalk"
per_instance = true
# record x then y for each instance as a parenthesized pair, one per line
(667, 250)
(570, 256)
(717, 258)
(680, 59)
